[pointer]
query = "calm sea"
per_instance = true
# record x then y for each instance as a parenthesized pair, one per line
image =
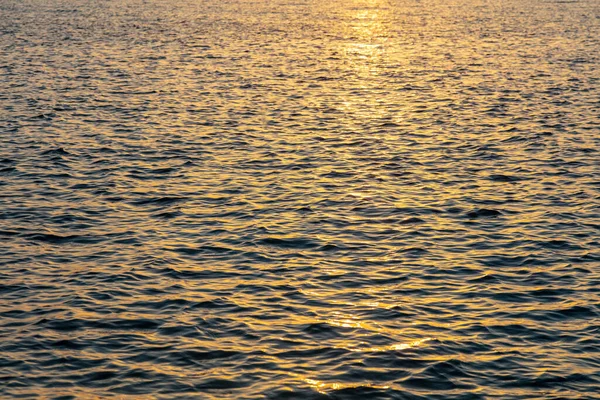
(300, 199)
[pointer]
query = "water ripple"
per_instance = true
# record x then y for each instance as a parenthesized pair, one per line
(306, 200)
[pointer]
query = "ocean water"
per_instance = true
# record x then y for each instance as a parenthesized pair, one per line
(300, 199)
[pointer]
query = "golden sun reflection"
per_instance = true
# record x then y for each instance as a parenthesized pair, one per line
(367, 32)
(324, 387)
(369, 20)
(393, 347)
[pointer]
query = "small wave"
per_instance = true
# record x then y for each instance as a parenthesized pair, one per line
(161, 201)
(484, 213)
(56, 151)
(289, 243)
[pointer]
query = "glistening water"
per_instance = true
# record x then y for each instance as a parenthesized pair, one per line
(300, 199)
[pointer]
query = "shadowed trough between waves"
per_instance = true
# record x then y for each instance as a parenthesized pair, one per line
(300, 199)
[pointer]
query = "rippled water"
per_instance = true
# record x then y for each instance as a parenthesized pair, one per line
(300, 199)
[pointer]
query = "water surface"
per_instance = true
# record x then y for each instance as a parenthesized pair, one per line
(300, 199)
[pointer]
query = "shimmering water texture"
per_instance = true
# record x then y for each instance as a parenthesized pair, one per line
(300, 199)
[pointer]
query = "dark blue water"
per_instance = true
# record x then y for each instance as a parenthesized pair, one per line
(370, 199)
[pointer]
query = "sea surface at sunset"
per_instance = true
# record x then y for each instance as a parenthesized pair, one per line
(300, 199)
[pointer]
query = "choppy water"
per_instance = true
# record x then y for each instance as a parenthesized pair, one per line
(300, 199)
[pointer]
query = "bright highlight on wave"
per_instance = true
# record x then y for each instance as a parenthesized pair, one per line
(324, 387)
